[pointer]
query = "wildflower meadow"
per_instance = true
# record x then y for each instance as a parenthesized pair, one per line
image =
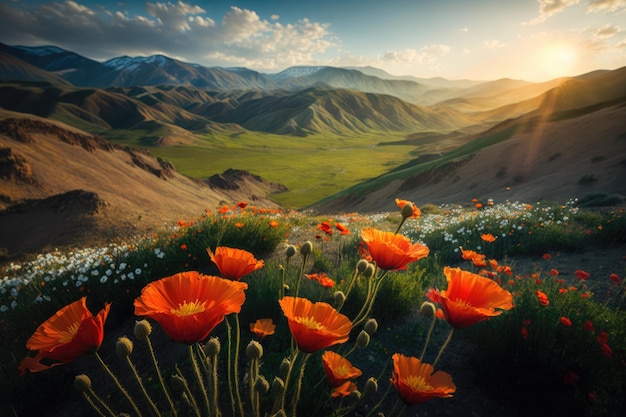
(253, 312)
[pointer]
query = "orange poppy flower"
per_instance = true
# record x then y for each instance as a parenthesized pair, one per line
(234, 263)
(338, 369)
(343, 229)
(71, 333)
(581, 275)
(391, 251)
(470, 298)
(324, 280)
(416, 383)
(189, 305)
(315, 326)
(273, 223)
(344, 389)
(488, 237)
(543, 298)
(325, 227)
(416, 210)
(467, 254)
(263, 327)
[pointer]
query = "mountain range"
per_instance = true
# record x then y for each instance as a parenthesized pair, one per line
(461, 131)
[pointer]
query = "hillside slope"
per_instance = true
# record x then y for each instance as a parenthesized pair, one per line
(555, 160)
(61, 186)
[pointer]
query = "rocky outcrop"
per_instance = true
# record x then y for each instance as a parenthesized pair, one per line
(15, 168)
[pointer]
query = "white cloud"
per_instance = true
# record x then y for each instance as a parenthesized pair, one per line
(493, 44)
(548, 8)
(426, 54)
(185, 30)
(606, 5)
(606, 31)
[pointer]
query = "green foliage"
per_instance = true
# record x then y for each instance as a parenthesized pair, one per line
(601, 200)
(534, 347)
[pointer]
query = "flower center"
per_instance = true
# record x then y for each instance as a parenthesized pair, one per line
(68, 334)
(310, 323)
(418, 383)
(342, 370)
(189, 308)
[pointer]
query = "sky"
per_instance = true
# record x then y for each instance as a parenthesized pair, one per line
(532, 40)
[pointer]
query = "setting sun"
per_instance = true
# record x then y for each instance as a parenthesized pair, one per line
(557, 59)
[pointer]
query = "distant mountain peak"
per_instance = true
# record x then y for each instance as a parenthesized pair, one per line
(297, 71)
(41, 50)
(130, 63)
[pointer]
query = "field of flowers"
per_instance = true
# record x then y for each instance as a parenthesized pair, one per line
(253, 312)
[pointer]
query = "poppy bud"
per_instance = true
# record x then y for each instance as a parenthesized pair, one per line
(212, 347)
(278, 386)
(371, 387)
(306, 248)
(427, 309)
(82, 383)
(361, 265)
(286, 288)
(124, 347)
(369, 271)
(261, 385)
(283, 369)
(407, 210)
(291, 250)
(363, 339)
(340, 298)
(254, 350)
(370, 326)
(142, 329)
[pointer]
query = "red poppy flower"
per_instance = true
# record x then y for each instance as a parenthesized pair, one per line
(391, 251)
(566, 322)
(553, 272)
(571, 378)
(543, 298)
(615, 279)
(524, 333)
(581, 275)
(588, 326)
(315, 326)
(71, 333)
(603, 337)
(234, 263)
(470, 298)
(547, 256)
(338, 369)
(242, 205)
(263, 327)
(416, 383)
(606, 350)
(325, 227)
(343, 229)
(189, 305)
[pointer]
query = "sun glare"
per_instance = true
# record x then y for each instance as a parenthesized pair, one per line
(557, 60)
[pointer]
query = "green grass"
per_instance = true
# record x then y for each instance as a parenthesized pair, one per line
(311, 167)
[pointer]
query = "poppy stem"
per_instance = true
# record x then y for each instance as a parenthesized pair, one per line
(304, 259)
(445, 344)
(430, 332)
(236, 364)
(296, 395)
(95, 407)
(379, 403)
(352, 281)
(287, 377)
(196, 369)
(187, 395)
(117, 383)
(400, 225)
(369, 303)
(143, 388)
(229, 367)
(160, 376)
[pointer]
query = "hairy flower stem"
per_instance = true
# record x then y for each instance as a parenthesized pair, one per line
(296, 395)
(117, 383)
(236, 364)
(430, 332)
(160, 376)
(287, 377)
(229, 371)
(380, 402)
(445, 344)
(369, 303)
(196, 369)
(143, 388)
(95, 407)
(305, 257)
(187, 395)
(400, 225)
(352, 281)
(254, 395)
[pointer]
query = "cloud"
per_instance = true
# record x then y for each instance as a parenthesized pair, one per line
(493, 44)
(606, 31)
(426, 54)
(606, 5)
(179, 29)
(548, 8)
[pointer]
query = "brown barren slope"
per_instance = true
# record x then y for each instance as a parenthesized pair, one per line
(123, 191)
(556, 161)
